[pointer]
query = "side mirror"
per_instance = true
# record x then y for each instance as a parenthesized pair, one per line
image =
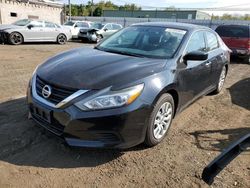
(196, 56)
(75, 26)
(105, 29)
(30, 26)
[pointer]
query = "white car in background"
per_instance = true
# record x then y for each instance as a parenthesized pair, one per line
(75, 27)
(27, 30)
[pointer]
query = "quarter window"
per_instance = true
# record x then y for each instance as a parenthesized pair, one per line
(196, 42)
(212, 42)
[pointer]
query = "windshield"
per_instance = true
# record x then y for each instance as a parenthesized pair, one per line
(144, 41)
(233, 31)
(22, 22)
(69, 23)
(97, 25)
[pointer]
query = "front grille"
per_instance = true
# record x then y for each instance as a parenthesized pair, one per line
(58, 93)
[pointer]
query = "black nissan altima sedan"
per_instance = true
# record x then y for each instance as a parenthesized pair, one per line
(128, 88)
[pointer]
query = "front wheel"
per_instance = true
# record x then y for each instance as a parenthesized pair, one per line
(160, 120)
(15, 38)
(61, 39)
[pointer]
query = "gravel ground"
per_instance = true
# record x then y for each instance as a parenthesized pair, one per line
(32, 157)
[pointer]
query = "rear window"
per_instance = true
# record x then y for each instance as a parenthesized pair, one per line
(233, 31)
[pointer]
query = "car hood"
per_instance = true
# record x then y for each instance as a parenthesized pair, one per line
(87, 68)
(10, 26)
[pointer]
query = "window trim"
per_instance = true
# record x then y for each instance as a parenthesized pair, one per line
(200, 30)
(218, 44)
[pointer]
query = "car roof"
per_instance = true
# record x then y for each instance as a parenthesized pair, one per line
(184, 26)
(233, 25)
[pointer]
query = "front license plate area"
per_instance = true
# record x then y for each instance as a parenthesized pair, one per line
(42, 113)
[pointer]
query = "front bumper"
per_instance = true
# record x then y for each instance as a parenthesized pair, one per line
(240, 51)
(87, 35)
(115, 128)
(4, 37)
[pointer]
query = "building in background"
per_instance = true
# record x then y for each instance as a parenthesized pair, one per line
(170, 14)
(13, 10)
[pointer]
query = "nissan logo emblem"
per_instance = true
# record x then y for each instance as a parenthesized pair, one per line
(46, 91)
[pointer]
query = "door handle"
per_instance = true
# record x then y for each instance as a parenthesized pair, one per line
(208, 63)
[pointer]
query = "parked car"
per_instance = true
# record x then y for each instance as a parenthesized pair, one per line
(27, 30)
(128, 88)
(75, 27)
(98, 31)
(237, 38)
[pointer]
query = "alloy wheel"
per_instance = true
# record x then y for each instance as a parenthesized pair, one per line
(162, 120)
(61, 39)
(16, 38)
(222, 78)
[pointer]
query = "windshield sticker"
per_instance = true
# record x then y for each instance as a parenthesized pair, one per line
(179, 31)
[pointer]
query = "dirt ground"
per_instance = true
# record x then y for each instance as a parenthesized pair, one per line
(31, 157)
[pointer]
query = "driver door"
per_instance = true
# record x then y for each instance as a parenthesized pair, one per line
(35, 32)
(194, 76)
(107, 30)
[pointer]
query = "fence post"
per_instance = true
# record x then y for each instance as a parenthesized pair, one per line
(124, 22)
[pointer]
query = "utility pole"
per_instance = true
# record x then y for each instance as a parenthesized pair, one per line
(69, 10)
(92, 7)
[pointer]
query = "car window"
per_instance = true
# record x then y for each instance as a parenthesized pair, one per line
(22, 22)
(49, 24)
(233, 31)
(108, 26)
(37, 23)
(69, 23)
(196, 42)
(116, 26)
(212, 41)
(82, 24)
(144, 41)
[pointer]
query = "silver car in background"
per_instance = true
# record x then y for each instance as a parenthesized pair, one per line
(27, 30)
(98, 31)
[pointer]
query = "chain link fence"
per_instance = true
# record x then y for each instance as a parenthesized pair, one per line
(128, 21)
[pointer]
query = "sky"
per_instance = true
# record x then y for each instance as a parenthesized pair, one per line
(243, 5)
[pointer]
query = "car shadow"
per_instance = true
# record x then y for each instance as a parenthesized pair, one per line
(208, 139)
(240, 93)
(24, 143)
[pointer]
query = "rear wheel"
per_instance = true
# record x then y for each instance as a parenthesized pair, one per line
(61, 39)
(160, 120)
(15, 38)
(221, 81)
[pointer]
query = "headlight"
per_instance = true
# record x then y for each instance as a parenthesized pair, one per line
(112, 99)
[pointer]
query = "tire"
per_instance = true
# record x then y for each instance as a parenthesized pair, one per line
(61, 39)
(15, 38)
(221, 81)
(160, 120)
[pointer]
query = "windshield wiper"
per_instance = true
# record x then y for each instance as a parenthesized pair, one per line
(119, 52)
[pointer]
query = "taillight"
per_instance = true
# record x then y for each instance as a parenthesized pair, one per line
(249, 44)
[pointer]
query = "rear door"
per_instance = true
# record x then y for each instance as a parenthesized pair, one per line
(50, 32)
